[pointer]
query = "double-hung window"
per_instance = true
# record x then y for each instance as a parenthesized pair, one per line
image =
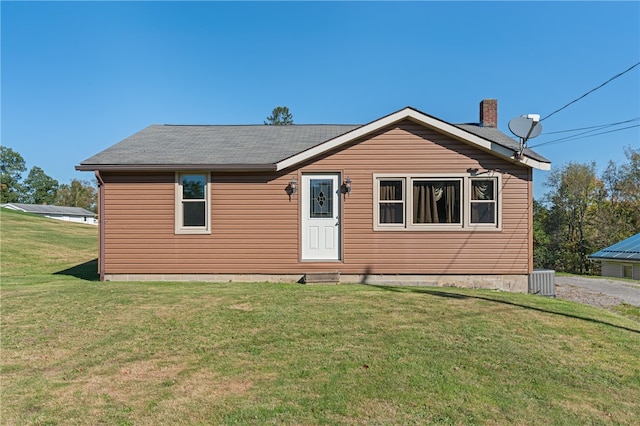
(391, 207)
(192, 203)
(440, 202)
(483, 201)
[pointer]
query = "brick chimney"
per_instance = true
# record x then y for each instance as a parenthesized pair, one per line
(489, 113)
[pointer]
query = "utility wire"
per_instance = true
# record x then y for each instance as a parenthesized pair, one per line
(600, 126)
(592, 90)
(593, 129)
(575, 137)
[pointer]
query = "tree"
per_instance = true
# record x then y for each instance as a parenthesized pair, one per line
(575, 192)
(584, 214)
(542, 258)
(629, 182)
(280, 116)
(617, 215)
(77, 194)
(11, 167)
(40, 188)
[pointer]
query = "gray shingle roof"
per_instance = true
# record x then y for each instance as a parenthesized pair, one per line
(628, 249)
(250, 146)
(49, 209)
(215, 145)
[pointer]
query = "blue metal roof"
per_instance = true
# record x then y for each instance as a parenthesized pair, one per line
(628, 249)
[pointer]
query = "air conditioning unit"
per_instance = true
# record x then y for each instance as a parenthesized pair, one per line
(543, 282)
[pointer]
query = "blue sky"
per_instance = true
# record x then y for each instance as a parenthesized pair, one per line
(78, 77)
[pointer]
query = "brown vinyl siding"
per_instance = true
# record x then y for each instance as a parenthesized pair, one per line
(256, 228)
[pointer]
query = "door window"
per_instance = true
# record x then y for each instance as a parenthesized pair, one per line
(320, 198)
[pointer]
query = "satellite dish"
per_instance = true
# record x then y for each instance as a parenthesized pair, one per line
(526, 127)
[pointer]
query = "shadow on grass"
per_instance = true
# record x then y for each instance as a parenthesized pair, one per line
(452, 295)
(87, 271)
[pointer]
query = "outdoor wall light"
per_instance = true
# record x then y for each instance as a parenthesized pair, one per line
(347, 185)
(293, 186)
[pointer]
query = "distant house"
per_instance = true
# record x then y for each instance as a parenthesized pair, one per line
(69, 214)
(621, 260)
(406, 198)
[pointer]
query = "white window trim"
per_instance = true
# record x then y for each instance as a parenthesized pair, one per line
(434, 226)
(179, 229)
(376, 186)
(465, 202)
(498, 202)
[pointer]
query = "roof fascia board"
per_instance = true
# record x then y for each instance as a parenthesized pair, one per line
(535, 163)
(12, 206)
(618, 259)
(420, 118)
(174, 167)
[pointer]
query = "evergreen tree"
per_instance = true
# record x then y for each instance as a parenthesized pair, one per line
(280, 116)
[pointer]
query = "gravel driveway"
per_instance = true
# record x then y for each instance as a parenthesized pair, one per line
(600, 292)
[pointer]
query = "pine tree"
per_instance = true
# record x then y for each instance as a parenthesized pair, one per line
(280, 116)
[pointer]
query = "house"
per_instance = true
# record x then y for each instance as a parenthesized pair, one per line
(69, 214)
(621, 260)
(406, 198)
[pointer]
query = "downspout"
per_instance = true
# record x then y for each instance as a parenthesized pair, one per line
(101, 222)
(530, 218)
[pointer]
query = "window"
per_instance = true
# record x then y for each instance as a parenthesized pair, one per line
(321, 198)
(192, 203)
(436, 201)
(483, 201)
(627, 271)
(444, 202)
(391, 193)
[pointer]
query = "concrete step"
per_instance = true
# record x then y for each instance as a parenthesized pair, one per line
(321, 278)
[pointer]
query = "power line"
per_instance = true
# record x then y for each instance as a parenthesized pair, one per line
(597, 127)
(592, 90)
(575, 137)
(590, 129)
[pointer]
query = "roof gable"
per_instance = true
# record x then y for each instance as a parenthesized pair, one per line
(460, 132)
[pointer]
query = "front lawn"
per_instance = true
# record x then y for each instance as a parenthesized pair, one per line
(80, 352)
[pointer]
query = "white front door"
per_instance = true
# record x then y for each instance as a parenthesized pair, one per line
(320, 217)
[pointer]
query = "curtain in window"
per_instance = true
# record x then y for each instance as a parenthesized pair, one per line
(436, 202)
(452, 209)
(483, 206)
(482, 190)
(391, 212)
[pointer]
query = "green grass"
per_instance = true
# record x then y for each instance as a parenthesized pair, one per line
(628, 310)
(567, 274)
(78, 351)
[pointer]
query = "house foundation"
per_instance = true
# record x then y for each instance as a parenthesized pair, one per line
(511, 283)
